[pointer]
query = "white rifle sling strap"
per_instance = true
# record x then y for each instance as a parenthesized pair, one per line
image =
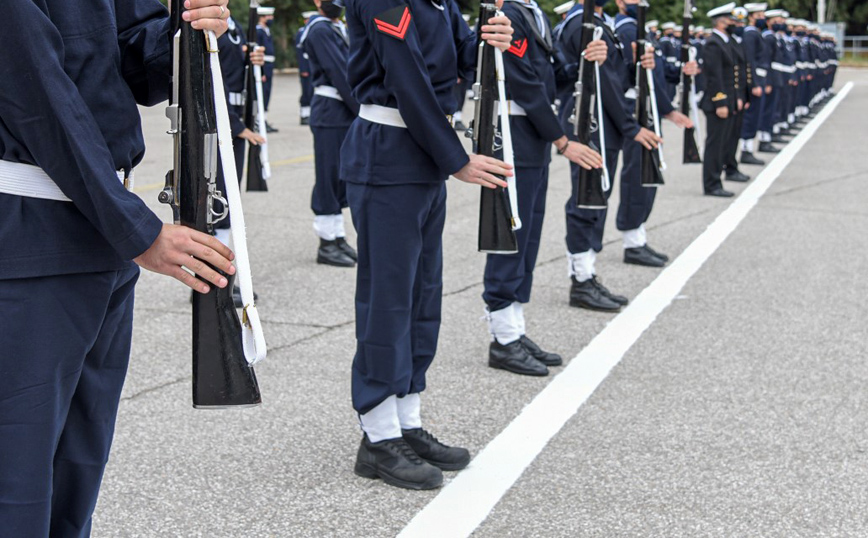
(606, 183)
(253, 338)
(652, 95)
(260, 122)
(506, 138)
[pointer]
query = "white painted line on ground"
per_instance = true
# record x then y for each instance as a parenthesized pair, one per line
(463, 505)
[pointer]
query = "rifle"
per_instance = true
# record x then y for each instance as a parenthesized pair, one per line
(498, 207)
(222, 375)
(688, 90)
(258, 167)
(593, 184)
(651, 163)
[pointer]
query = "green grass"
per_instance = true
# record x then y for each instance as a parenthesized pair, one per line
(855, 60)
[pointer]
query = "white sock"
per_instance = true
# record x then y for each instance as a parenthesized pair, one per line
(458, 116)
(339, 225)
(518, 312)
(409, 411)
(765, 137)
(304, 112)
(635, 238)
(581, 264)
(503, 326)
(382, 421)
(224, 235)
(747, 145)
(324, 226)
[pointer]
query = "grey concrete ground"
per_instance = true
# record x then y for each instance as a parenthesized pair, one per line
(740, 412)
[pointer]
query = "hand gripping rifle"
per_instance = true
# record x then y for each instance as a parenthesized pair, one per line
(258, 167)
(498, 207)
(593, 184)
(223, 349)
(688, 88)
(651, 164)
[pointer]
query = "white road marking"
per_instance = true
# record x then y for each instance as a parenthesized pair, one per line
(464, 503)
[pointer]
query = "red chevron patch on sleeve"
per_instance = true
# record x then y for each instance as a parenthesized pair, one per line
(518, 48)
(394, 22)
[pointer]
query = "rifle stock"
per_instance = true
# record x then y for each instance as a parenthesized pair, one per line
(691, 150)
(254, 118)
(650, 164)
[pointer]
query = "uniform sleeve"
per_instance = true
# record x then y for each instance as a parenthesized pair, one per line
(613, 94)
(330, 59)
(143, 39)
(664, 100)
(714, 77)
(227, 49)
(398, 49)
(466, 42)
(525, 87)
(672, 67)
(751, 46)
(41, 107)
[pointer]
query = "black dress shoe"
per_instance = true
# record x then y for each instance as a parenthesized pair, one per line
(346, 248)
(330, 253)
(720, 193)
(236, 297)
(641, 256)
(660, 255)
(427, 447)
(549, 359)
(305, 121)
(748, 158)
(588, 295)
(737, 176)
(777, 139)
(460, 127)
(767, 147)
(397, 464)
(270, 128)
(513, 357)
(620, 299)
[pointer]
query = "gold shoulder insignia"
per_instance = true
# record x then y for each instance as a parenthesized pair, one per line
(720, 96)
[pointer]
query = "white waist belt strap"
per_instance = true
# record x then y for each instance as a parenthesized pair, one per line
(386, 116)
(19, 179)
(236, 99)
(513, 109)
(328, 91)
(783, 68)
(761, 72)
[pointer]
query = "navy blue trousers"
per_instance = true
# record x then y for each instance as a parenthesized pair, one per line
(585, 226)
(636, 201)
(399, 287)
(767, 113)
(306, 91)
(509, 277)
(329, 192)
(750, 124)
(266, 92)
(66, 346)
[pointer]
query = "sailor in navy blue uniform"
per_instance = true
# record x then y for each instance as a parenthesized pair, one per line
(304, 73)
(405, 56)
(585, 226)
(671, 49)
(698, 42)
(531, 89)
(264, 40)
(70, 136)
(783, 69)
(759, 63)
(773, 87)
(333, 108)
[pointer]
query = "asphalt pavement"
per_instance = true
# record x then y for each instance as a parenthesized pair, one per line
(741, 411)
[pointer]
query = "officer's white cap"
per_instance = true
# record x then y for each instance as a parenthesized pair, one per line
(262, 11)
(720, 11)
(309, 14)
(652, 24)
(700, 29)
(668, 26)
(679, 28)
(771, 13)
(755, 7)
(563, 8)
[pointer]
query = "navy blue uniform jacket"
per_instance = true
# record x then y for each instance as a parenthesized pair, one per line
(232, 66)
(327, 53)
(71, 74)
(625, 29)
(406, 54)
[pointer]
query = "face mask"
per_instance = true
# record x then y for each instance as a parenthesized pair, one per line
(330, 10)
(730, 29)
(601, 3)
(789, 32)
(761, 24)
(632, 10)
(269, 22)
(778, 27)
(800, 34)
(737, 30)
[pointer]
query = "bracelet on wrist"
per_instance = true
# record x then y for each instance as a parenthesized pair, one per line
(563, 149)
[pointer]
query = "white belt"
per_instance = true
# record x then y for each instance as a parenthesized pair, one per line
(783, 68)
(236, 99)
(513, 108)
(328, 91)
(19, 179)
(761, 72)
(270, 59)
(386, 116)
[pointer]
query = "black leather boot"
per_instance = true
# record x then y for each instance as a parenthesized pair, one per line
(748, 158)
(620, 299)
(513, 357)
(735, 175)
(397, 464)
(549, 359)
(587, 295)
(660, 255)
(768, 147)
(642, 256)
(431, 450)
(346, 248)
(330, 253)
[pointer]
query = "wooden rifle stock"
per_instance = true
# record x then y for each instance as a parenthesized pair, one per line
(221, 374)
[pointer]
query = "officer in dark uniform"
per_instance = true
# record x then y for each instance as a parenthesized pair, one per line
(719, 100)
(405, 56)
(304, 73)
(333, 108)
(759, 60)
(70, 136)
(585, 226)
(530, 88)
(637, 201)
(264, 39)
(743, 84)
